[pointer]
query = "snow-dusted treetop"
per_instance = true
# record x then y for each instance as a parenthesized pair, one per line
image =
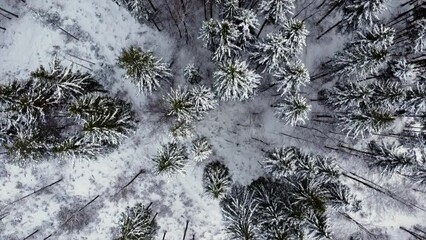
(277, 10)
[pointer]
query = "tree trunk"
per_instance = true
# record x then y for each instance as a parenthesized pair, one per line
(261, 28)
(295, 16)
(328, 13)
(186, 229)
(11, 13)
(35, 192)
(164, 235)
(173, 18)
(331, 28)
(152, 5)
(417, 236)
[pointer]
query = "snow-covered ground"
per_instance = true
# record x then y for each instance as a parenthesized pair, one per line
(239, 131)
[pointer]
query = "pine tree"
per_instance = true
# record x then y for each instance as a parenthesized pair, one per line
(230, 8)
(310, 194)
(216, 179)
(281, 162)
(202, 99)
(340, 198)
(171, 159)
(227, 39)
(295, 33)
(415, 101)
(366, 120)
(27, 145)
(138, 223)
(90, 104)
(181, 130)
(246, 22)
(391, 158)
(238, 212)
(192, 74)
(277, 11)
(65, 83)
(235, 81)
(270, 52)
(201, 149)
(361, 13)
(142, 68)
(346, 95)
(291, 77)
(418, 35)
(292, 110)
(179, 104)
(208, 34)
(359, 61)
(110, 126)
(377, 35)
(318, 227)
(74, 147)
(403, 71)
(419, 175)
(387, 94)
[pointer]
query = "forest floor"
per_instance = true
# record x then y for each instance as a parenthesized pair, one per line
(239, 132)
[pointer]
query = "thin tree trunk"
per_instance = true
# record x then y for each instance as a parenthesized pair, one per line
(2, 28)
(331, 28)
(205, 10)
(409, 3)
(66, 32)
(152, 5)
(417, 236)
(328, 13)
(356, 150)
(186, 229)
(401, 15)
(132, 180)
(211, 8)
(261, 28)
(11, 13)
(155, 24)
(173, 18)
(164, 235)
(32, 234)
(81, 58)
(357, 223)
(35, 192)
(295, 16)
(5, 16)
(298, 138)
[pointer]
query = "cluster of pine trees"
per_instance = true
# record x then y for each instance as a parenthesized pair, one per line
(61, 113)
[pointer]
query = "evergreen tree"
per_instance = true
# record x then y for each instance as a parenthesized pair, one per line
(216, 179)
(238, 212)
(359, 61)
(74, 147)
(179, 104)
(361, 13)
(366, 120)
(235, 81)
(171, 159)
(90, 104)
(209, 34)
(192, 74)
(318, 227)
(138, 223)
(310, 194)
(340, 198)
(419, 175)
(65, 83)
(346, 95)
(292, 110)
(391, 158)
(295, 33)
(291, 77)
(230, 8)
(387, 94)
(27, 145)
(202, 99)
(201, 149)
(418, 35)
(137, 9)
(415, 101)
(142, 68)
(377, 35)
(227, 39)
(277, 11)
(181, 130)
(246, 22)
(110, 126)
(281, 162)
(403, 71)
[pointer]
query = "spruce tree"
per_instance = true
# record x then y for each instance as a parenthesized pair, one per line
(238, 211)
(367, 120)
(179, 104)
(418, 35)
(291, 77)
(391, 158)
(209, 34)
(281, 162)
(192, 74)
(361, 13)
(403, 71)
(235, 81)
(171, 159)
(202, 99)
(295, 33)
(138, 223)
(75, 146)
(216, 179)
(292, 110)
(181, 130)
(227, 37)
(143, 69)
(346, 95)
(201, 148)
(246, 22)
(415, 100)
(377, 35)
(277, 11)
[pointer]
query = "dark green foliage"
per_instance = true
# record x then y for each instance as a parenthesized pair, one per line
(171, 159)
(138, 223)
(216, 179)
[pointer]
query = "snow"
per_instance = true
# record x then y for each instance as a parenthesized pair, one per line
(238, 132)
